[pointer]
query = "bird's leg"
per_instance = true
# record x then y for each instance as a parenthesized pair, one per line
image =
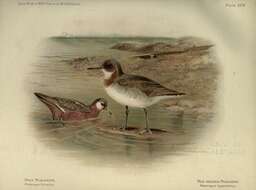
(147, 129)
(146, 118)
(53, 116)
(61, 121)
(126, 118)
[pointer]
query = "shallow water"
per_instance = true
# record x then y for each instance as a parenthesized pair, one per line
(55, 77)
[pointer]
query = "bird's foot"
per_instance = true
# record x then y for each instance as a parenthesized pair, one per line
(145, 131)
(123, 128)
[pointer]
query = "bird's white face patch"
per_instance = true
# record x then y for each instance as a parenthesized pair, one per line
(99, 106)
(107, 75)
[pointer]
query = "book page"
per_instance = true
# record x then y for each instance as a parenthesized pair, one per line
(127, 94)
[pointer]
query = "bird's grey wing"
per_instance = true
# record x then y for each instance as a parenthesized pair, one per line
(72, 105)
(147, 86)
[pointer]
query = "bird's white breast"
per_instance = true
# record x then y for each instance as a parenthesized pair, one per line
(128, 96)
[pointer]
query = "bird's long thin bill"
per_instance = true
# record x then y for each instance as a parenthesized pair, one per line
(94, 68)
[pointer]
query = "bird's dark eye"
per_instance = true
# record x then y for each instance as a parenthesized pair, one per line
(108, 66)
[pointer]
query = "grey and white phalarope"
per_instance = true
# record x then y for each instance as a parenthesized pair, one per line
(133, 90)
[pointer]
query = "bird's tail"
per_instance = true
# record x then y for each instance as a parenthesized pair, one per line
(175, 94)
(45, 99)
(51, 103)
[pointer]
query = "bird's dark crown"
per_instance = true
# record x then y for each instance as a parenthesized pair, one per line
(112, 65)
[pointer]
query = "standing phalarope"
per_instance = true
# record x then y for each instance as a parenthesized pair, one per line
(133, 90)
